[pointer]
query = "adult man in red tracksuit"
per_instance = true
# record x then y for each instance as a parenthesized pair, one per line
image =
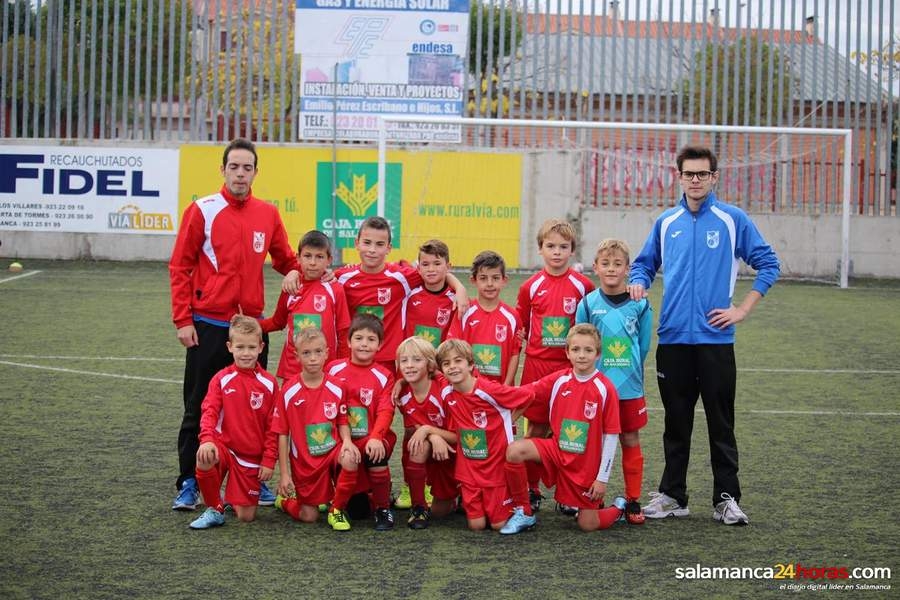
(216, 272)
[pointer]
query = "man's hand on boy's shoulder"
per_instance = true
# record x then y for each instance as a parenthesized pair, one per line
(291, 282)
(636, 291)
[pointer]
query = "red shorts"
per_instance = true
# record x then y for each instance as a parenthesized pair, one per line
(632, 414)
(242, 481)
(440, 477)
(317, 486)
(495, 503)
(539, 412)
(568, 491)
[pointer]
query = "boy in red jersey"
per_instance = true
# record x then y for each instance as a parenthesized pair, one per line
(367, 393)
(430, 308)
(584, 417)
(310, 417)
(482, 413)
(431, 444)
(380, 288)
(316, 304)
(546, 304)
(235, 429)
(490, 325)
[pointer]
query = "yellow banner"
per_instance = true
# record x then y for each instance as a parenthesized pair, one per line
(469, 200)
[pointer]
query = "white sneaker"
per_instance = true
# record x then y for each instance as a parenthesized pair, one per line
(728, 512)
(662, 506)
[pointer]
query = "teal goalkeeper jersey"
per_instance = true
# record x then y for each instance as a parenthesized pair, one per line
(625, 327)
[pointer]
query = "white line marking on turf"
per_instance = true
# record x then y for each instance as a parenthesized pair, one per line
(121, 358)
(826, 371)
(14, 277)
(97, 373)
(815, 413)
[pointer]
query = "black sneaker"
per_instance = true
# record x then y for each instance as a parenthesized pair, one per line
(569, 511)
(384, 519)
(419, 518)
(534, 498)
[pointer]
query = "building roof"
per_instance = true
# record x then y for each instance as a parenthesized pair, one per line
(650, 58)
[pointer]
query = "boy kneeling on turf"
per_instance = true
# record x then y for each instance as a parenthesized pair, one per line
(235, 429)
(583, 412)
(310, 418)
(482, 413)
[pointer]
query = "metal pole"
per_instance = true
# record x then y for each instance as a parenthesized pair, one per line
(336, 258)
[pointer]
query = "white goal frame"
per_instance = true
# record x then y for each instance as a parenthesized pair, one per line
(846, 134)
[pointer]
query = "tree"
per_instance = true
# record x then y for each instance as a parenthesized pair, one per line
(258, 56)
(709, 90)
(885, 61)
(140, 37)
(495, 31)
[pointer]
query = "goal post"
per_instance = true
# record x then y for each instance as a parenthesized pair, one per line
(793, 171)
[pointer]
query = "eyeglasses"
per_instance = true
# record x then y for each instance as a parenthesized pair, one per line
(700, 175)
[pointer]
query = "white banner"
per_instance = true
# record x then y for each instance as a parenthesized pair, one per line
(364, 58)
(90, 190)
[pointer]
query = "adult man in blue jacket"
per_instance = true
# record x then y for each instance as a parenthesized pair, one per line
(698, 244)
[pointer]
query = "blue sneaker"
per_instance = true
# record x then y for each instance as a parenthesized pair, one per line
(266, 497)
(189, 496)
(210, 518)
(518, 523)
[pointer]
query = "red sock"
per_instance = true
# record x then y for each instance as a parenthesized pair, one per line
(534, 475)
(343, 489)
(404, 462)
(292, 507)
(210, 484)
(608, 516)
(381, 487)
(517, 482)
(415, 477)
(633, 470)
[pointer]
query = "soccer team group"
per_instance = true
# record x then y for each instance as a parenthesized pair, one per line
(375, 337)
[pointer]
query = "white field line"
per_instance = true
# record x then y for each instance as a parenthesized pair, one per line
(14, 277)
(649, 367)
(96, 373)
(652, 408)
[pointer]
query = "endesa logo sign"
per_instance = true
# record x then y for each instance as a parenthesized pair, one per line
(121, 190)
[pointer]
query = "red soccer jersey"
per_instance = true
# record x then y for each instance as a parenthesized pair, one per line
(581, 412)
(429, 412)
(217, 262)
(317, 304)
(429, 314)
(492, 336)
(381, 294)
(546, 304)
(483, 421)
(367, 394)
(310, 417)
(237, 410)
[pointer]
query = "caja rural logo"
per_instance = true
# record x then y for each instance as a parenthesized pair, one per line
(355, 198)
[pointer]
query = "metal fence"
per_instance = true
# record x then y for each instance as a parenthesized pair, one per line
(207, 70)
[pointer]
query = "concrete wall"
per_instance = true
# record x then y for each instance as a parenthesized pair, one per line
(88, 246)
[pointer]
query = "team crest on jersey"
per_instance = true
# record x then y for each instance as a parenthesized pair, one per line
(384, 295)
(330, 409)
(631, 325)
(259, 241)
(437, 419)
(712, 239)
(590, 409)
(480, 418)
(443, 316)
(365, 396)
(569, 305)
(319, 302)
(500, 333)
(256, 400)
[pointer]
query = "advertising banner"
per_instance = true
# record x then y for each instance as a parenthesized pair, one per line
(88, 190)
(425, 196)
(364, 58)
